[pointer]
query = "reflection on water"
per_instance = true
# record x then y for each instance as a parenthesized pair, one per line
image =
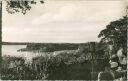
(11, 50)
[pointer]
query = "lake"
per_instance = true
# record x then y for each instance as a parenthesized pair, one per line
(11, 50)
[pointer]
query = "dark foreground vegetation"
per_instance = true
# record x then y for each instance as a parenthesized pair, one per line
(79, 64)
(66, 66)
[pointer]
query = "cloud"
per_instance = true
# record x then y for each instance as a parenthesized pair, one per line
(64, 13)
(81, 12)
(62, 21)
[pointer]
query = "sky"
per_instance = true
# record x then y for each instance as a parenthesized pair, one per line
(57, 21)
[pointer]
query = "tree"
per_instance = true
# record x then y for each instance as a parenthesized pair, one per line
(0, 36)
(116, 34)
(14, 6)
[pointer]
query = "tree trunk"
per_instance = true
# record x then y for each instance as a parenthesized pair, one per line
(0, 36)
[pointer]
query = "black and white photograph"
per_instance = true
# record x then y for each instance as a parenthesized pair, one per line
(63, 40)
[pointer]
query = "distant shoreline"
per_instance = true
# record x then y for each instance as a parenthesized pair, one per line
(26, 43)
(14, 43)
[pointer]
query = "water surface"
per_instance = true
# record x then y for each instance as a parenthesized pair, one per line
(11, 50)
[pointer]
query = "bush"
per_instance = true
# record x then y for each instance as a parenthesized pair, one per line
(66, 64)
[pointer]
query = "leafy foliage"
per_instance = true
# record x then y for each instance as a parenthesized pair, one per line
(14, 6)
(116, 34)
